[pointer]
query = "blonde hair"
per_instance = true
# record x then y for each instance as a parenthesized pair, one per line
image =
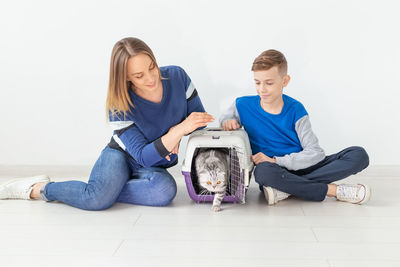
(269, 59)
(118, 100)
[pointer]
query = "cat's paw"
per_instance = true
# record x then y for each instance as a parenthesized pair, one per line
(216, 208)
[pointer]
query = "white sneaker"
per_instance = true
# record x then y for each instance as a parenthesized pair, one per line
(20, 188)
(353, 193)
(273, 196)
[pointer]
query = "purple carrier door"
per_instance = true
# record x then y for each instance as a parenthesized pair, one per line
(236, 186)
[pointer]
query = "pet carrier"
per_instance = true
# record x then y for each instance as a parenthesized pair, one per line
(240, 164)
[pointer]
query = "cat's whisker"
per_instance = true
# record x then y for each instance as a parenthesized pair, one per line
(203, 193)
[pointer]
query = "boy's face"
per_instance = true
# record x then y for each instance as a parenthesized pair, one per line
(270, 84)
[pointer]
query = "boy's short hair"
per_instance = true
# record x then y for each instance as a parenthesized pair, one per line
(268, 59)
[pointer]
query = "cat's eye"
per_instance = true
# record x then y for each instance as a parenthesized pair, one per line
(218, 182)
(208, 182)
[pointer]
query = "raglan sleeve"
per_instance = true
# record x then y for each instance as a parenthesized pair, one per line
(311, 154)
(193, 100)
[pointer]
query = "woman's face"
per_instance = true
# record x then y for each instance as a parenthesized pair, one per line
(143, 73)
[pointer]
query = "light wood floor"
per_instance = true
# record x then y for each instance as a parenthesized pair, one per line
(292, 233)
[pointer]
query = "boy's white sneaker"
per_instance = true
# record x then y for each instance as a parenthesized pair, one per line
(273, 195)
(20, 188)
(353, 193)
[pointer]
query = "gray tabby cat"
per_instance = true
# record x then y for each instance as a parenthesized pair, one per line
(213, 173)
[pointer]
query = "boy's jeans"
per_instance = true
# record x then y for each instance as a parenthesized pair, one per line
(115, 178)
(311, 183)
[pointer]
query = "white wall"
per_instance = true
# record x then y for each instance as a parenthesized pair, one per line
(54, 58)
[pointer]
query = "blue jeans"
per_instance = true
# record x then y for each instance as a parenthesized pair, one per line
(312, 183)
(115, 177)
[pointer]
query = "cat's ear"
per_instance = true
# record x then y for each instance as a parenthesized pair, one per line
(199, 162)
(199, 166)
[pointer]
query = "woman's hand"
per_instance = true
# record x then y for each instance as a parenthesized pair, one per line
(172, 139)
(261, 157)
(230, 125)
(195, 120)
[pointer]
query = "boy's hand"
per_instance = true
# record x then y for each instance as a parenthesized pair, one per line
(261, 157)
(230, 125)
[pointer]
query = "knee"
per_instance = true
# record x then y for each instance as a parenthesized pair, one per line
(267, 173)
(110, 163)
(163, 188)
(112, 157)
(360, 157)
(263, 167)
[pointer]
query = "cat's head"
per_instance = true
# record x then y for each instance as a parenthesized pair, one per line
(213, 181)
(212, 172)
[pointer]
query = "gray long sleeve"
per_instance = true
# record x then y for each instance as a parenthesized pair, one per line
(311, 154)
(230, 114)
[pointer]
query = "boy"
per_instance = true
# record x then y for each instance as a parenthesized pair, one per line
(288, 158)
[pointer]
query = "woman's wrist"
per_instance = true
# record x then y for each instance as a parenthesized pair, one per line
(173, 137)
(178, 130)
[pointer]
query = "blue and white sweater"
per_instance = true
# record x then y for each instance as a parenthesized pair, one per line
(287, 136)
(139, 133)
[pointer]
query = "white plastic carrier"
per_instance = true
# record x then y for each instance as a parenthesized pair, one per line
(241, 165)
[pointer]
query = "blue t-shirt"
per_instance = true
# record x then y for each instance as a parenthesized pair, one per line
(139, 133)
(273, 135)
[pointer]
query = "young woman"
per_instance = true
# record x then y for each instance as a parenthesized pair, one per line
(150, 110)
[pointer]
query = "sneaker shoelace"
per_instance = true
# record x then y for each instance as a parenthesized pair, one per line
(348, 192)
